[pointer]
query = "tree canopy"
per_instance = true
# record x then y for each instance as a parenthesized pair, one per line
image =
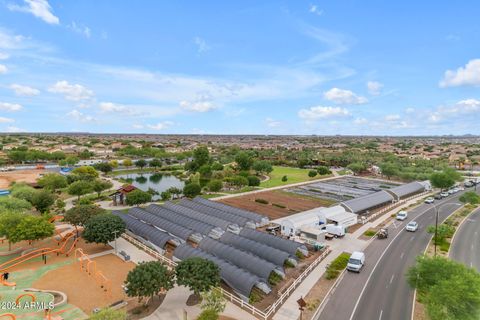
(138, 197)
(80, 214)
(192, 190)
(79, 188)
(103, 228)
(42, 200)
(198, 274)
(148, 279)
(52, 181)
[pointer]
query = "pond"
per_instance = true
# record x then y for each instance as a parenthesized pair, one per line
(157, 181)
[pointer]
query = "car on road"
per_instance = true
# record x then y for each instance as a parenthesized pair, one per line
(468, 184)
(429, 200)
(444, 194)
(412, 226)
(401, 215)
(356, 261)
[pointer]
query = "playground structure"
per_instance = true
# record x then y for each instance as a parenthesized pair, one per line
(90, 267)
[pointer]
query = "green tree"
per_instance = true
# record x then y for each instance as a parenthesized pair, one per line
(148, 279)
(127, 163)
(192, 190)
(138, 197)
(100, 185)
(113, 164)
(33, 228)
(104, 167)
(109, 314)
(141, 163)
(71, 160)
(215, 185)
(198, 274)
(9, 221)
(322, 170)
(213, 300)
(244, 161)
(166, 195)
(312, 173)
(176, 192)
(52, 181)
(441, 180)
(201, 156)
(42, 200)
(87, 173)
(443, 231)
(389, 169)
(80, 214)
(357, 167)
(262, 167)
(14, 204)
(253, 181)
(208, 315)
(103, 228)
(217, 166)
(205, 171)
(23, 191)
(79, 188)
(155, 163)
(470, 197)
(284, 179)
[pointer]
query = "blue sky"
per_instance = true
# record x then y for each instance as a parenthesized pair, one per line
(240, 67)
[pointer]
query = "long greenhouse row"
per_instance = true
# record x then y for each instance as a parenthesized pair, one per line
(225, 235)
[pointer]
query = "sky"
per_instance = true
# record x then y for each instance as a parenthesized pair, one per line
(240, 67)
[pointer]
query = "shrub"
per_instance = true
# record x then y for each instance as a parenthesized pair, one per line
(262, 201)
(288, 264)
(337, 265)
(369, 233)
(274, 278)
(312, 173)
(322, 170)
(192, 190)
(254, 297)
(284, 178)
(253, 181)
(215, 185)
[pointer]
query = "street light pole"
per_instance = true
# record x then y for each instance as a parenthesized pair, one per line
(437, 209)
(115, 235)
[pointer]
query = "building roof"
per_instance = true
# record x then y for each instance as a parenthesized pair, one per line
(273, 241)
(368, 201)
(407, 189)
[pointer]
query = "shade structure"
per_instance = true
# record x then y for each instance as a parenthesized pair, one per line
(274, 255)
(241, 221)
(273, 241)
(164, 224)
(407, 190)
(147, 232)
(180, 219)
(258, 218)
(242, 259)
(215, 221)
(238, 279)
(368, 202)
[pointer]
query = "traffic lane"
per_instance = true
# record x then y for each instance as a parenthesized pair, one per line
(387, 294)
(465, 244)
(342, 301)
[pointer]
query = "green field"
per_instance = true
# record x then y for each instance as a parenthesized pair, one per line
(294, 175)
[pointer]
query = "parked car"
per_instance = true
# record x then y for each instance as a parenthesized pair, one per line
(412, 226)
(356, 261)
(401, 215)
(429, 200)
(455, 190)
(468, 184)
(450, 191)
(444, 194)
(438, 196)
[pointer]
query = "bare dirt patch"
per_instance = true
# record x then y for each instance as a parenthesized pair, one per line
(82, 289)
(316, 295)
(28, 176)
(280, 203)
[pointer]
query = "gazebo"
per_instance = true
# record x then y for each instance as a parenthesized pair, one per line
(119, 197)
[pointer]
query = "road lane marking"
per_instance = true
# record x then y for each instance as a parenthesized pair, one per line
(391, 279)
(381, 312)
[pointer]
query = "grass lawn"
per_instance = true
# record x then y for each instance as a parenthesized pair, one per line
(294, 175)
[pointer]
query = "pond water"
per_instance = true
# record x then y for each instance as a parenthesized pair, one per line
(157, 181)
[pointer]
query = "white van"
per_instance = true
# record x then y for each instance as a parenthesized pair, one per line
(356, 261)
(336, 230)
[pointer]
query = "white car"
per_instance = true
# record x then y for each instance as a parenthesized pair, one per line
(429, 200)
(444, 194)
(455, 190)
(402, 215)
(412, 226)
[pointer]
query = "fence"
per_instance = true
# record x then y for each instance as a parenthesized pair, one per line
(234, 299)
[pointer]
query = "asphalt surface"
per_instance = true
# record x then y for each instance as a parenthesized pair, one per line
(465, 246)
(380, 290)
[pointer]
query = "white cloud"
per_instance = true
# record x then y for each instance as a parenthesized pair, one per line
(469, 75)
(374, 88)
(3, 69)
(24, 90)
(14, 129)
(272, 123)
(4, 56)
(6, 120)
(73, 92)
(161, 125)
(39, 8)
(111, 107)
(341, 96)
(314, 9)
(11, 107)
(392, 117)
(360, 121)
(319, 112)
(138, 126)
(202, 103)
(78, 116)
(201, 44)
(80, 29)
(410, 110)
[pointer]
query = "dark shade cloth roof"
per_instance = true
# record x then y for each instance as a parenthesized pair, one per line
(241, 221)
(368, 201)
(258, 218)
(407, 189)
(164, 224)
(238, 279)
(147, 232)
(241, 259)
(274, 255)
(273, 241)
(180, 219)
(218, 222)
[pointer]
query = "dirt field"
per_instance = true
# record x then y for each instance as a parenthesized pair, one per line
(292, 203)
(81, 289)
(28, 176)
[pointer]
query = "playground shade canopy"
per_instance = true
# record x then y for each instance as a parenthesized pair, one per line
(241, 221)
(258, 218)
(164, 224)
(147, 232)
(238, 279)
(275, 256)
(273, 241)
(215, 221)
(242, 259)
(185, 221)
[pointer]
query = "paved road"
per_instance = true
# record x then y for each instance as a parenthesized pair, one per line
(465, 244)
(380, 291)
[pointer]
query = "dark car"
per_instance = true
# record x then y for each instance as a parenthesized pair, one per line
(438, 196)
